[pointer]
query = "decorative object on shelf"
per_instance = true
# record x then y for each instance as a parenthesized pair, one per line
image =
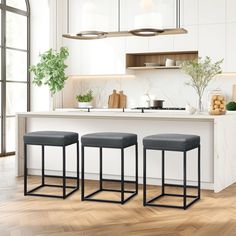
(190, 109)
(202, 71)
(113, 101)
(50, 70)
(231, 106)
(122, 100)
(169, 62)
(147, 24)
(85, 100)
(217, 102)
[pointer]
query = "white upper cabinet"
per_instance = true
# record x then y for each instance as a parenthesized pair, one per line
(87, 15)
(187, 42)
(161, 44)
(95, 57)
(212, 42)
(231, 47)
(212, 11)
(230, 10)
(189, 12)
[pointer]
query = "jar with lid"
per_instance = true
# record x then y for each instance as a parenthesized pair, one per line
(217, 103)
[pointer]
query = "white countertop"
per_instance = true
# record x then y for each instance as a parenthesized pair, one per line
(119, 114)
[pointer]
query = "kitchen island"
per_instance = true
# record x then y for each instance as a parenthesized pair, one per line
(218, 137)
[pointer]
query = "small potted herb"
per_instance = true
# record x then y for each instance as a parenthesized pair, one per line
(85, 100)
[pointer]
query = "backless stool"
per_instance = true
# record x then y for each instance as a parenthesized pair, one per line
(116, 141)
(51, 138)
(171, 142)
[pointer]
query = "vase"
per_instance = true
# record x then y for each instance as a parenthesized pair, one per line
(200, 105)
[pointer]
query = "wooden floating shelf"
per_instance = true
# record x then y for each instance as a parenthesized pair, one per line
(153, 68)
(137, 61)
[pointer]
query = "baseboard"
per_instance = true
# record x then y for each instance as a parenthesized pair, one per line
(151, 181)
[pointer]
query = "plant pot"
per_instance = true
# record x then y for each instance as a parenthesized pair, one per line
(84, 104)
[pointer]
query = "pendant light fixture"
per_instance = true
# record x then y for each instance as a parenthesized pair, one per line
(147, 24)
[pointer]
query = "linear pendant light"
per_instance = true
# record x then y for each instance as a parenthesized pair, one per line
(143, 32)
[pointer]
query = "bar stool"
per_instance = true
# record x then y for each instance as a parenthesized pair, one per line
(116, 141)
(171, 142)
(51, 138)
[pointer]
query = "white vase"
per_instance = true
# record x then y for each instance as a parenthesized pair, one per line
(84, 104)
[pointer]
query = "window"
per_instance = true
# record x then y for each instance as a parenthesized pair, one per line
(14, 65)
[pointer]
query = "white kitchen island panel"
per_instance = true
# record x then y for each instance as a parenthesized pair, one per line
(217, 152)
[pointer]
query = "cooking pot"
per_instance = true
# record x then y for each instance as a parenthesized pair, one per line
(157, 103)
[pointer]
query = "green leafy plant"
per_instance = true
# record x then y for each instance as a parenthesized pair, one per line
(231, 106)
(202, 71)
(50, 70)
(88, 97)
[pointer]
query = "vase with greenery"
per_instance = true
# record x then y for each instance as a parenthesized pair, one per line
(202, 71)
(85, 100)
(50, 70)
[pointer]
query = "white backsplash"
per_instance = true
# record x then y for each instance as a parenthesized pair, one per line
(168, 85)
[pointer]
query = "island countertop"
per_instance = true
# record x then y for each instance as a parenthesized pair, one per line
(118, 113)
(217, 137)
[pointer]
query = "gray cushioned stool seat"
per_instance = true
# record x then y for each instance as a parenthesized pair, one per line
(53, 138)
(109, 140)
(172, 142)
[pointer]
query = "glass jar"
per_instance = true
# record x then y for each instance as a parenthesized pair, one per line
(217, 103)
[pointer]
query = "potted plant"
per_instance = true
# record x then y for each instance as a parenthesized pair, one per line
(50, 70)
(202, 71)
(85, 100)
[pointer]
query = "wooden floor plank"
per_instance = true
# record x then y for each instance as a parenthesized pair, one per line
(214, 215)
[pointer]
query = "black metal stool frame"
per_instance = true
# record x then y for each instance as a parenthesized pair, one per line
(184, 186)
(43, 176)
(101, 179)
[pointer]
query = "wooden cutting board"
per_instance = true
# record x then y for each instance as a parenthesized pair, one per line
(123, 100)
(114, 99)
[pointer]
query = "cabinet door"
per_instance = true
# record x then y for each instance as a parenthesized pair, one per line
(95, 57)
(212, 42)
(230, 10)
(163, 43)
(211, 11)
(189, 12)
(231, 47)
(100, 15)
(187, 42)
(101, 57)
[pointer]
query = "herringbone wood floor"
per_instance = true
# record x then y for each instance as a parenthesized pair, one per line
(214, 215)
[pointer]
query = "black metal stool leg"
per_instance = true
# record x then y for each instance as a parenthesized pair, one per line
(25, 169)
(184, 186)
(136, 167)
(100, 172)
(144, 176)
(43, 166)
(163, 172)
(82, 173)
(199, 172)
(77, 161)
(64, 172)
(122, 176)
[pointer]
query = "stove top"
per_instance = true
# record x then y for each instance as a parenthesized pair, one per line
(160, 108)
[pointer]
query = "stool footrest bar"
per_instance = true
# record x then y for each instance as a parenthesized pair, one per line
(180, 186)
